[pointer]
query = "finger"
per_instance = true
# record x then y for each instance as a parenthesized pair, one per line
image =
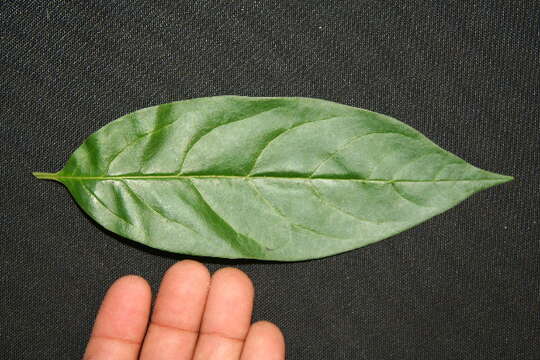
(121, 321)
(178, 310)
(227, 316)
(264, 342)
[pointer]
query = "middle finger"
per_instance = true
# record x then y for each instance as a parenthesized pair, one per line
(173, 329)
(227, 316)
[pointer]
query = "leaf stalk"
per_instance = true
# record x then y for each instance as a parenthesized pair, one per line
(45, 176)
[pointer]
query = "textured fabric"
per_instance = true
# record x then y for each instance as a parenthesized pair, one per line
(464, 285)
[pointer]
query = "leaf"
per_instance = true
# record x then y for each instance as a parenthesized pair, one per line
(265, 178)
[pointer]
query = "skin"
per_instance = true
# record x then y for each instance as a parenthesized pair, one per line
(195, 316)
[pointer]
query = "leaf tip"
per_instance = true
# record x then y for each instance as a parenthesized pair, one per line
(502, 179)
(506, 178)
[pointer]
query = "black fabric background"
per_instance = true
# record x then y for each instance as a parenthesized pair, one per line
(463, 285)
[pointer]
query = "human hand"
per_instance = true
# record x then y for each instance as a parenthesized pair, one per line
(195, 316)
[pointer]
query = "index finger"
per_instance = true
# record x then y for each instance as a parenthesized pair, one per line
(121, 321)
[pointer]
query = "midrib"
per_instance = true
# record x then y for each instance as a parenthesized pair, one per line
(53, 176)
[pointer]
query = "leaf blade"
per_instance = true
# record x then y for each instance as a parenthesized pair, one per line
(266, 178)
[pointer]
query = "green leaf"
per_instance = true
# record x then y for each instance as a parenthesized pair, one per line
(264, 178)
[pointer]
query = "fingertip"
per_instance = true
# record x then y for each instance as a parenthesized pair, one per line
(197, 271)
(132, 283)
(126, 289)
(267, 327)
(233, 276)
(270, 331)
(264, 341)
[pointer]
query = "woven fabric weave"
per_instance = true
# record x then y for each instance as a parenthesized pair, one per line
(463, 285)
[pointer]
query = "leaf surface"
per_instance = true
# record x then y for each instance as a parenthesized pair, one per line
(264, 178)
